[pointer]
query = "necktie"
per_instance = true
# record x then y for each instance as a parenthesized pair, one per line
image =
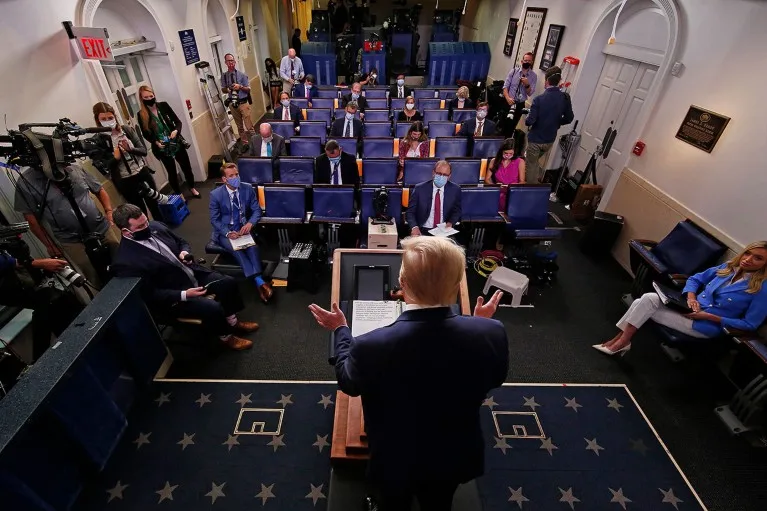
(400, 92)
(348, 129)
(306, 89)
(291, 69)
(437, 209)
(269, 149)
(285, 113)
(478, 131)
(334, 180)
(236, 213)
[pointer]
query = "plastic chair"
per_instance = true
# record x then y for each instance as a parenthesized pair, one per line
(377, 129)
(255, 171)
(379, 171)
(297, 170)
(418, 170)
(377, 147)
(305, 146)
(465, 171)
(486, 147)
(452, 147)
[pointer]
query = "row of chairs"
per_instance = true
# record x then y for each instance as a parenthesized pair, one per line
(374, 145)
(318, 113)
(380, 93)
(372, 171)
(319, 128)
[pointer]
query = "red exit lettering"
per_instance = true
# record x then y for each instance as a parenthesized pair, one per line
(93, 48)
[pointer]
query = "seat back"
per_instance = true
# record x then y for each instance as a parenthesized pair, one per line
(314, 129)
(462, 114)
(318, 114)
(375, 94)
(255, 171)
(452, 147)
(423, 93)
(285, 129)
(301, 103)
(435, 115)
(323, 103)
(326, 93)
(395, 204)
(377, 147)
(400, 128)
(333, 202)
(486, 147)
(465, 171)
(305, 146)
(418, 170)
(528, 206)
(688, 249)
(284, 202)
(348, 145)
(297, 170)
(379, 171)
(377, 129)
(478, 204)
(397, 104)
(447, 93)
(378, 104)
(430, 104)
(376, 115)
(441, 129)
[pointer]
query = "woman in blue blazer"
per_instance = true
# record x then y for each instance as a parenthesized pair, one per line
(732, 296)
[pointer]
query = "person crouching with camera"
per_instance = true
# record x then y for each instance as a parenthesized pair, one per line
(125, 163)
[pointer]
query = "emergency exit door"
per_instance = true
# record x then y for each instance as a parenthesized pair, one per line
(125, 76)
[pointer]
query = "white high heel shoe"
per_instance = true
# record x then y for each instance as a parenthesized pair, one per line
(611, 353)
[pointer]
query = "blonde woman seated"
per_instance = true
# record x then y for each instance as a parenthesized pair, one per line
(409, 113)
(413, 145)
(730, 296)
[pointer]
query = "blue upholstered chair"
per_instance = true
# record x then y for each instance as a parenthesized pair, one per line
(348, 145)
(377, 147)
(326, 93)
(480, 205)
(418, 170)
(486, 147)
(379, 171)
(432, 115)
(319, 114)
(428, 104)
(397, 104)
(314, 129)
(305, 146)
(297, 170)
(400, 128)
(441, 129)
(333, 204)
(255, 171)
(527, 210)
(284, 204)
(377, 129)
(452, 147)
(285, 129)
(377, 115)
(377, 104)
(464, 171)
(323, 103)
(375, 94)
(301, 103)
(462, 114)
(423, 93)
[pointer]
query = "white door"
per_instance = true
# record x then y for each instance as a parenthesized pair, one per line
(125, 77)
(617, 100)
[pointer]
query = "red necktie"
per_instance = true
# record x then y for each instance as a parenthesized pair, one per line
(437, 209)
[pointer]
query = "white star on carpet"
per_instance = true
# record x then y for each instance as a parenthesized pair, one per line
(215, 492)
(164, 398)
(231, 441)
(489, 402)
(244, 399)
(277, 442)
(500, 443)
(285, 400)
(516, 496)
(322, 442)
(614, 404)
(619, 497)
(572, 403)
(186, 441)
(530, 401)
(143, 438)
(592, 445)
(167, 492)
(547, 444)
(265, 493)
(639, 446)
(325, 401)
(670, 498)
(316, 493)
(204, 399)
(567, 496)
(117, 491)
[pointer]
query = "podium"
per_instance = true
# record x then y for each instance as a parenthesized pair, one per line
(350, 442)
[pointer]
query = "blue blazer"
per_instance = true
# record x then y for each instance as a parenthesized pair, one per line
(300, 92)
(419, 205)
(737, 308)
(221, 207)
(423, 380)
(548, 113)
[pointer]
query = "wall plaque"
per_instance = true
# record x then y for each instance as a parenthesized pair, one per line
(702, 128)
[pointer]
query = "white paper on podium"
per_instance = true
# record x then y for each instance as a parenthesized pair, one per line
(368, 315)
(242, 242)
(442, 231)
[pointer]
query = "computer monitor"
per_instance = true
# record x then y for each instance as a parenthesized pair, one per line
(371, 282)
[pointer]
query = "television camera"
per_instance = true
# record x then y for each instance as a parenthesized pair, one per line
(381, 206)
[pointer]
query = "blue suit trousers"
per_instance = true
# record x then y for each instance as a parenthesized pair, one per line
(249, 258)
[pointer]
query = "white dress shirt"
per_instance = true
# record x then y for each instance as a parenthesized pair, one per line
(263, 148)
(350, 125)
(416, 306)
(430, 221)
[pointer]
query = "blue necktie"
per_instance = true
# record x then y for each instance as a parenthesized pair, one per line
(334, 180)
(236, 213)
(269, 149)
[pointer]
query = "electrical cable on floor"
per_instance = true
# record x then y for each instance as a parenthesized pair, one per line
(485, 265)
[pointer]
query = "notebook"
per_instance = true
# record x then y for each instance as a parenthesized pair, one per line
(672, 298)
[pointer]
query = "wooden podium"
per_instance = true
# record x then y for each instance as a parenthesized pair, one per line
(350, 443)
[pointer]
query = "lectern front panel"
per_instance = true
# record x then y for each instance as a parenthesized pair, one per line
(356, 259)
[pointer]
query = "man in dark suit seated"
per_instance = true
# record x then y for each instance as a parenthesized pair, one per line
(356, 96)
(479, 126)
(287, 111)
(347, 126)
(234, 212)
(434, 202)
(267, 144)
(173, 285)
(336, 167)
(399, 89)
(307, 90)
(423, 380)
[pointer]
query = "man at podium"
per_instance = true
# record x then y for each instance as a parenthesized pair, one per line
(423, 379)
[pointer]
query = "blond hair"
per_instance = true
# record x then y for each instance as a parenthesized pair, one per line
(757, 277)
(143, 113)
(432, 269)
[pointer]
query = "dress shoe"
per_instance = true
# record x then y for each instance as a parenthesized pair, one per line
(246, 326)
(621, 352)
(238, 343)
(265, 292)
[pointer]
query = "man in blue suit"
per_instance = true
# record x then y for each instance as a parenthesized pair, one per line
(234, 212)
(434, 202)
(306, 90)
(423, 380)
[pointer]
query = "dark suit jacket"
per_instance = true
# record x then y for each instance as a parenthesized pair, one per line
(162, 281)
(337, 129)
(423, 380)
(362, 103)
(109, 165)
(420, 204)
(349, 173)
(393, 91)
(300, 93)
(221, 207)
(453, 105)
(295, 114)
(548, 112)
(170, 119)
(278, 146)
(469, 125)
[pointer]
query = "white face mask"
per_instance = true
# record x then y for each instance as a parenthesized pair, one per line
(109, 124)
(400, 82)
(410, 106)
(481, 114)
(285, 102)
(373, 76)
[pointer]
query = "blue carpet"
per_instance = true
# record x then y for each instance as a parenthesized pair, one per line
(576, 447)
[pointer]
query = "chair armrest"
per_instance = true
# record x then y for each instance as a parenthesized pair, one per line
(639, 248)
(505, 218)
(677, 279)
(742, 335)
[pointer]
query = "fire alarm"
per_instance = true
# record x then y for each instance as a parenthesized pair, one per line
(639, 147)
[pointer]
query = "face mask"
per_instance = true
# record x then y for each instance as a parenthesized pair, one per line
(335, 160)
(440, 180)
(355, 95)
(285, 102)
(141, 235)
(349, 116)
(410, 106)
(109, 124)
(268, 139)
(527, 65)
(234, 182)
(481, 114)
(508, 156)
(150, 102)
(400, 82)
(373, 76)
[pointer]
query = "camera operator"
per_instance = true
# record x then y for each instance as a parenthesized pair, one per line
(53, 309)
(518, 87)
(236, 84)
(124, 163)
(291, 71)
(64, 223)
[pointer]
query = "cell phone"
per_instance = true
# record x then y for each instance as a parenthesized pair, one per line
(210, 283)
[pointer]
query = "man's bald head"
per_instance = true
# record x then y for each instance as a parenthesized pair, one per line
(292, 53)
(265, 130)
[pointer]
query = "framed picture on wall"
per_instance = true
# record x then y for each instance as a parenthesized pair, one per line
(531, 31)
(553, 40)
(511, 35)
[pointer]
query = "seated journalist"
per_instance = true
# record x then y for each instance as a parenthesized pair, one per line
(434, 202)
(173, 285)
(234, 212)
(336, 167)
(423, 380)
(731, 295)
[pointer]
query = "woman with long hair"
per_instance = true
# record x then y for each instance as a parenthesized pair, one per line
(274, 81)
(409, 113)
(460, 101)
(161, 127)
(507, 168)
(731, 295)
(413, 145)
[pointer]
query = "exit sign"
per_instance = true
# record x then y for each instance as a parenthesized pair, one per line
(93, 43)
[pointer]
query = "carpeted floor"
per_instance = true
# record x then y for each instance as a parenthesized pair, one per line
(549, 343)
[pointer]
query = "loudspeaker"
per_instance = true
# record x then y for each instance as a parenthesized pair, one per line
(599, 237)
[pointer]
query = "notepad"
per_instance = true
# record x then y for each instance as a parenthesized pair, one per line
(442, 231)
(671, 298)
(242, 242)
(368, 315)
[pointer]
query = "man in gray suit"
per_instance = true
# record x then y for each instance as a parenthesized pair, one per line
(268, 145)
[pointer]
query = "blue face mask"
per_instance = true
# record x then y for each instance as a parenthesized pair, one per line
(349, 116)
(234, 182)
(355, 96)
(440, 180)
(335, 160)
